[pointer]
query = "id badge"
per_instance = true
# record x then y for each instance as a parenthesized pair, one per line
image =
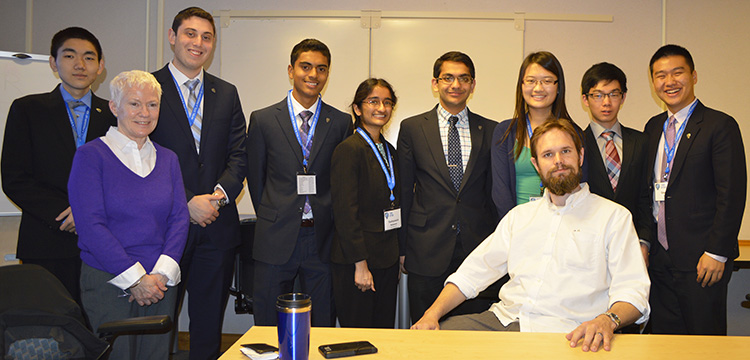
(660, 191)
(534, 198)
(306, 184)
(392, 219)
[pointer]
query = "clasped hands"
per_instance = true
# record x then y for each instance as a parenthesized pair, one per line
(149, 290)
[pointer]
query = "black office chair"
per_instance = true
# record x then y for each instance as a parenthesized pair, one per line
(40, 320)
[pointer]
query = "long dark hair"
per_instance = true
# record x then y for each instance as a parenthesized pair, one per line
(364, 90)
(550, 63)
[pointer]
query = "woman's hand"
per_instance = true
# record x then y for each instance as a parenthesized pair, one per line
(150, 290)
(362, 276)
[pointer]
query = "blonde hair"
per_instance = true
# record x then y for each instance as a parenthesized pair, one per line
(132, 79)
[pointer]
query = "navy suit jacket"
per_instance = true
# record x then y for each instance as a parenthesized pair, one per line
(432, 209)
(705, 198)
(37, 156)
(632, 186)
(274, 159)
(222, 156)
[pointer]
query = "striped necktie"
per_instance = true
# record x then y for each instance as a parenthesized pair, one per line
(613, 158)
(198, 123)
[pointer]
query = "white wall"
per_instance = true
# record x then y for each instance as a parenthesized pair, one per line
(714, 32)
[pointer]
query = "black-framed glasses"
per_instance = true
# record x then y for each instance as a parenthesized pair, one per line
(599, 96)
(531, 82)
(449, 79)
(376, 103)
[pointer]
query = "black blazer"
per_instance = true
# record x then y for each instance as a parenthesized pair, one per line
(431, 208)
(274, 158)
(632, 186)
(705, 198)
(37, 156)
(360, 194)
(222, 156)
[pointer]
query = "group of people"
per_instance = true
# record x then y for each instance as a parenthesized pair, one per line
(598, 228)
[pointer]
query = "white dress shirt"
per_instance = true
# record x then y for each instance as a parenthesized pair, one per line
(567, 264)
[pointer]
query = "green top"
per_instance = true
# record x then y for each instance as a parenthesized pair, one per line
(527, 179)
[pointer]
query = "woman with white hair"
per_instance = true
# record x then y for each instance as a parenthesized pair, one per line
(131, 216)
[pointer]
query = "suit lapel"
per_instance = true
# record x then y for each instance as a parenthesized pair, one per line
(599, 173)
(654, 136)
(171, 101)
(321, 131)
(56, 105)
(476, 131)
(431, 131)
(97, 123)
(209, 107)
(285, 123)
(692, 130)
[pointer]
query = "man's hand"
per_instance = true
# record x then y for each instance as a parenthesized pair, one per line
(427, 322)
(204, 209)
(710, 271)
(68, 224)
(362, 277)
(644, 251)
(149, 291)
(401, 260)
(593, 333)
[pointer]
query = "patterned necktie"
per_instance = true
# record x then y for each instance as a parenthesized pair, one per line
(661, 224)
(73, 104)
(613, 158)
(198, 123)
(455, 163)
(305, 130)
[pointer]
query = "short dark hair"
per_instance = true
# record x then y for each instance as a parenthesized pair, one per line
(603, 71)
(74, 33)
(364, 90)
(190, 12)
(671, 50)
(560, 124)
(309, 45)
(454, 56)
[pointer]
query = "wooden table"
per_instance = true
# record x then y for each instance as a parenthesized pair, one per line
(396, 344)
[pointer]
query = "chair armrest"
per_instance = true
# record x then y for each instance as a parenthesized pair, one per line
(159, 323)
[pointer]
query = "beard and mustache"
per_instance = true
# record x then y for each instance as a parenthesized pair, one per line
(562, 184)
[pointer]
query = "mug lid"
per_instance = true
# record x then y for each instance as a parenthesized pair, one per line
(294, 300)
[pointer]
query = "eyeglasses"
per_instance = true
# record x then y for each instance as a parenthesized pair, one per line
(599, 96)
(530, 82)
(388, 104)
(449, 79)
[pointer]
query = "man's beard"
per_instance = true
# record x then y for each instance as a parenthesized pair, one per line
(561, 185)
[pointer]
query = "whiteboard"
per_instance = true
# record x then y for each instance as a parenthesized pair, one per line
(18, 78)
(255, 56)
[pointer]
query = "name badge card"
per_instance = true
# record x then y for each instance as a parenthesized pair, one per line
(306, 184)
(660, 191)
(392, 219)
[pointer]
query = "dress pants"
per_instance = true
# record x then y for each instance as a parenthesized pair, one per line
(679, 305)
(206, 275)
(369, 309)
(314, 278)
(105, 302)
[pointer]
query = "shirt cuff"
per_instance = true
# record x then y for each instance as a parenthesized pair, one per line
(644, 242)
(166, 266)
(218, 186)
(127, 278)
(716, 257)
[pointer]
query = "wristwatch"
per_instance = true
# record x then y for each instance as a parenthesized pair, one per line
(223, 202)
(615, 319)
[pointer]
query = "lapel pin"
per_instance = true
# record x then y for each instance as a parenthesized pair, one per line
(98, 110)
(480, 127)
(688, 136)
(213, 90)
(328, 120)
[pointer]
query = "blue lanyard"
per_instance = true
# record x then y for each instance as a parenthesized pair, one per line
(670, 151)
(80, 134)
(529, 130)
(198, 99)
(390, 177)
(305, 152)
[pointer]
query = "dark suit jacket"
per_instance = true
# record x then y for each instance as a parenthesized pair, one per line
(632, 186)
(431, 208)
(705, 198)
(274, 159)
(222, 155)
(360, 195)
(37, 156)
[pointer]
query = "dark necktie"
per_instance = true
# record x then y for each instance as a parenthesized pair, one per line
(661, 224)
(613, 158)
(455, 163)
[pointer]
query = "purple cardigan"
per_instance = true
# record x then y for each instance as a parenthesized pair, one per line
(122, 218)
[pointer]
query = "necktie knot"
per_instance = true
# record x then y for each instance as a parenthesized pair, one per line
(192, 84)
(608, 135)
(453, 120)
(75, 103)
(305, 116)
